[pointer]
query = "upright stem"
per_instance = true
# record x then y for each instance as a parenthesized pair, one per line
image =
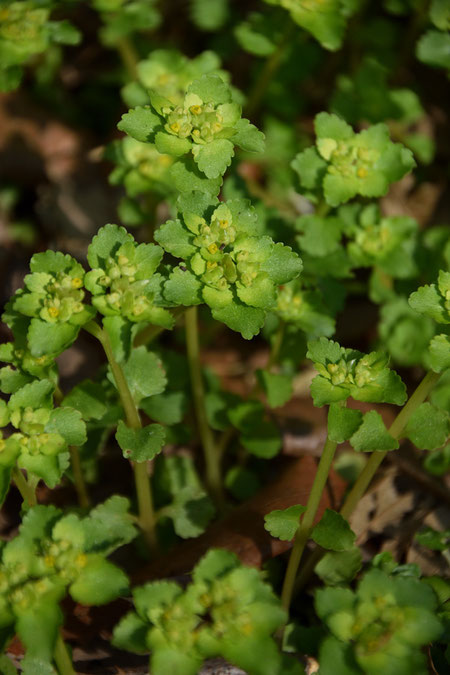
(306, 524)
(268, 71)
(27, 492)
(211, 454)
(78, 478)
(365, 477)
(128, 56)
(276, 346)
(147, 519)
(396, 429)
(62, 658)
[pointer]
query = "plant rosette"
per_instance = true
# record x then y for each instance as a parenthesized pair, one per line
(123, 280)
(226, 264)
(53, 553)
(226, 611)
(206, 124)
(345, 164)
(348, 372)
(40, 444)
(54, 301)
(380, 628)
(169, 72)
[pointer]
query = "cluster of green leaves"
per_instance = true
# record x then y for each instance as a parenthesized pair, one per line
(42, 437)
(123, 18)
(26, 30)
(226, 264)
(206, 124)
(380, 627)
(54, 554)
(226, 611)
(434, 45)
(326, 20)
(345, 164)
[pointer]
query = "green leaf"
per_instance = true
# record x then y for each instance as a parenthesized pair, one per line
(336, 658)
(248, 137)
(144, 373)
(284, 523)
(88, 398)
(131, 634)
(167, 144)
(50, 338)
(323, 392)
(187, 177)
(333, 532)
(5, 481)
(282, 265)
(108, 526)
(38, 627)
(140, 123)
(211, 89)
(175, 239)
(99, 582)
(440, 353)
(310, 167)
(67, 423)
(373, 435)
(37, 394)
(106, 243)
(183, 288)
(213, 158)
(214, 564)
(165, 661)
(239, 317)
(433, 49)
(277, 387)
(324, 350)
(192, 510)
(427, 300)
(342, 422)
(428, 427)
(140, 445)
(6, 666)
(167, 408)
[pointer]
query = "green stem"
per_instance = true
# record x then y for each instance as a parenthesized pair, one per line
(306, 524)
(27, 492)
(276, 346)
(365, 478)
(212, 459)
(129, 57)
(322, 209)
(396, 429)
(78, 478)
(62, 658)
(147, 517)
(268, 71)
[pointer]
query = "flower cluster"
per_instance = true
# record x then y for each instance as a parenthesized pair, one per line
(226, 608)
(304, 308)
(206, 123)
(348, 372)
(385, 622)
(169, 72)
(347, 164)
(51, 552)
(40, 444)
(53, 299)
(122, 279)
(226, 264)
(25, 30)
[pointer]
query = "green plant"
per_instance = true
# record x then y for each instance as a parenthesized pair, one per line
(277, 236)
